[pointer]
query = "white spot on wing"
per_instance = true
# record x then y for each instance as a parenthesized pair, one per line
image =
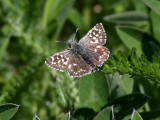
(100, 57)
(69, 66)
(59, 61)
(104, 53)
(94, 38)
(74, 64)
(75, 73)
(98, 46)
(97, 35)
(96, 41)
(54, 63)
(96, 28)
(66, 61)
(52, 58)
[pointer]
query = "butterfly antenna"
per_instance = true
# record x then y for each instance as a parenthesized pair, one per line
(75, 33)
(61, 41)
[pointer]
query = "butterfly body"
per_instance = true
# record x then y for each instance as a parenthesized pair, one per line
(79, 50)
(83, 57)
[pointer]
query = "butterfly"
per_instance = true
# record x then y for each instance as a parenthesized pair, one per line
(83, 57)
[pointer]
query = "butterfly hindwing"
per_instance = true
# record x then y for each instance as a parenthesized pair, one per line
(98, 54)
(78, 67)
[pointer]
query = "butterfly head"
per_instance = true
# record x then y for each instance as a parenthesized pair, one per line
(71, 43)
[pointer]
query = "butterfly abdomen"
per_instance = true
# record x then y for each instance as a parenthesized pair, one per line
(89, 62)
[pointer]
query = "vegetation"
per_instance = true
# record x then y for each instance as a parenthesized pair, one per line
(128, 84)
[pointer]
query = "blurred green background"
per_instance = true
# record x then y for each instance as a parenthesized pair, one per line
(29, 29)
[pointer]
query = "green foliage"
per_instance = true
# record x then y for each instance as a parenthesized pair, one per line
(128, 80)
(154, 5)
(105, 114)
(121, 110)
(136, 116)
(36, 117)
(93, 91)
(7, 111)
(135, 66)
(131, 38)
(83, 114)
(156, 27)
(116, 86)
(3, 48)
(135, 18)
(66, 116)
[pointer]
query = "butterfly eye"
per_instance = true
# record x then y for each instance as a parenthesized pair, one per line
(71, 43)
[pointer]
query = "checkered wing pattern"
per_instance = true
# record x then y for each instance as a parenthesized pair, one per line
(78, 67)
(96, 36)
(83, 57)
(98, 54)
(60, 60)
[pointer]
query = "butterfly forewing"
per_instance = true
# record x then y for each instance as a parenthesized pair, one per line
(60, 60)
(98, 54)
(96, 36)
(78, 67)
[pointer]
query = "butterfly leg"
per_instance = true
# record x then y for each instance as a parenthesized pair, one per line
(95, 69)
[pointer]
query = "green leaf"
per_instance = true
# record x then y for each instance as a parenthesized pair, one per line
(7, 111)
(155, 25)
(62, 15)
(153, 4)
(47, 12)
(156, 48)
(116, 86)
(105, 114)
(111, 4)
(36, 117)
(57, 11)
(75, 17)
(132, 37)
(93, 91)
(142, 85)
(66, 116)
(3, 47)
(133, 17)
(150, 115)
(136, 115)
(125, 104)
(127, 82)
(83, 114)
(51, 9)
(140, 6)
